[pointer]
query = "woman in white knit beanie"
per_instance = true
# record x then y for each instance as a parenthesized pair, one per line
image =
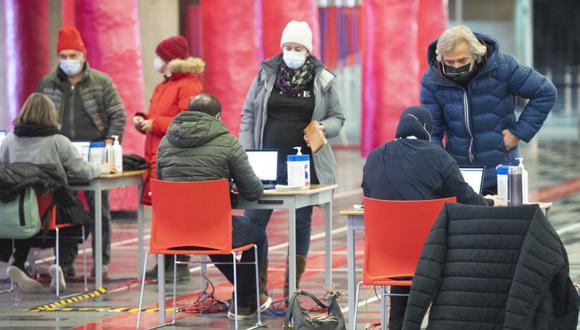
(291, 90)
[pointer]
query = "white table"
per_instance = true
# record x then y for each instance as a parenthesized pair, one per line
(274, 199)
(354, 223)
(98, 185)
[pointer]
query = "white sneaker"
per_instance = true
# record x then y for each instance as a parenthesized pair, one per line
(22, 279)
(56, 275)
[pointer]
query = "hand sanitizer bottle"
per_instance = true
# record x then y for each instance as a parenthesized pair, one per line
(298, 169)
(118, 152)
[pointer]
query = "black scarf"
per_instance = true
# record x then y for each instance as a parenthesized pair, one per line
(31, 130)
(294, 82)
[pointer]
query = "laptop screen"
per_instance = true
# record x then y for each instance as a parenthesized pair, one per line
(264, 163)
(474, 177)
(83, 149)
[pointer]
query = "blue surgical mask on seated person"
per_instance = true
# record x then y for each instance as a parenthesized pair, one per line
(293, 59)
(70, 67)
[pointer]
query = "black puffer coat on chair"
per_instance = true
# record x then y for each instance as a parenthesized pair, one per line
(493, 268)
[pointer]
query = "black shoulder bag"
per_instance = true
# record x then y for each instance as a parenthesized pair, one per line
(299, 319)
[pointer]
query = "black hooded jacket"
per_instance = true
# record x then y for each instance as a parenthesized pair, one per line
(43, 178)
(490, 269)
(412, 168)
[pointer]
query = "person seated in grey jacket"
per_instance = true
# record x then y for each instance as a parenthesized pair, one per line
(411, 168)
(37, 139)
(199, 147)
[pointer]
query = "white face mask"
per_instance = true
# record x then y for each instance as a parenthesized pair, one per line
(70, 67)
(158, 64)
(294, 59)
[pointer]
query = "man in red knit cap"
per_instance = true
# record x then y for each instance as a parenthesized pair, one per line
(89, 109)
(171, 96)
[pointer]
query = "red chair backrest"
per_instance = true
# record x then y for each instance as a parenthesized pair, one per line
(191, 214)
(43, 203)
(395, 232)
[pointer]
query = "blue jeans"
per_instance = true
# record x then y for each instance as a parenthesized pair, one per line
(303, 226)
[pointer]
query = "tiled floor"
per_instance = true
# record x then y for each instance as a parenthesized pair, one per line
(554, 175)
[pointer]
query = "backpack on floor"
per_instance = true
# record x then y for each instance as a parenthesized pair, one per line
(20, 218)
(299, 319)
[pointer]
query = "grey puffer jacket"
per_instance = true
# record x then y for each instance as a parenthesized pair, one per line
(198, 147)
(327, 111)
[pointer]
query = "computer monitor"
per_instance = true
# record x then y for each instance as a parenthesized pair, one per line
(473, 176)
(83, 148)
(265, 165)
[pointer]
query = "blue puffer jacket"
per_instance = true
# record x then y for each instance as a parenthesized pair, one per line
(473, 120)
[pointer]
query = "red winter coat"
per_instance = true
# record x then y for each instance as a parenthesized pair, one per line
(170, 97)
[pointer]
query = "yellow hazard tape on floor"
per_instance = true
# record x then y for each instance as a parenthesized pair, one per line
(67, 301)
(105, 309)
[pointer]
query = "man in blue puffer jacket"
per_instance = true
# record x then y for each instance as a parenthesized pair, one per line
(471, 89)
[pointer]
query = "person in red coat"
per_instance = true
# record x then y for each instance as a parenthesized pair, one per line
(170, 97)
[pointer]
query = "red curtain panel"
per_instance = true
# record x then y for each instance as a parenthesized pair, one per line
(390, 68)
(26, 50)
(230, 50)
(432, 21)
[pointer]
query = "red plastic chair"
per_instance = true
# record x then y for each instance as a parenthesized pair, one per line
(43, 203)
(194, 214)
(395, 232)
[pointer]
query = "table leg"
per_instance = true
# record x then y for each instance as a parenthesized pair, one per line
(98, 237)
(328, 244)
(291, 248)
(351, 269)
(140, 232)
(161, 287)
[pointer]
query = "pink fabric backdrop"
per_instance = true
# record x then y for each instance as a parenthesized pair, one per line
(230, 50)
(390, 68)
(432, 21)
(26, 50)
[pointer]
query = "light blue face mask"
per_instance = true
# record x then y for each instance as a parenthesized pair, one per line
(70, 67)
(294, 59)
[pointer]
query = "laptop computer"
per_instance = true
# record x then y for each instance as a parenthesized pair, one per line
(473, 175)
(265, 165)
(83, 148)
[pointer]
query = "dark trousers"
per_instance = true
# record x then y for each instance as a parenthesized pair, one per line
(398, 306)
(303, 226)
(243, 233)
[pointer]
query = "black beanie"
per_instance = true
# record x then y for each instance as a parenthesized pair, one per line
(415, 121)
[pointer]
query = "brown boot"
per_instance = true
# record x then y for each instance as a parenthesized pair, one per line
(300, 267)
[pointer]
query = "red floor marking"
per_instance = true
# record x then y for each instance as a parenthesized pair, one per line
(128, 320)
(556, 191)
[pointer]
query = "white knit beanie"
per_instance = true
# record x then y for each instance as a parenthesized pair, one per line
(298, 32)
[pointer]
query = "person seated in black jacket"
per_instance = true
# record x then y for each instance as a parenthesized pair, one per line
(199, 147)
(412, 168)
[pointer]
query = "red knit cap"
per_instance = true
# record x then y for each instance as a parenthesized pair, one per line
(172, 48)
(70, 38)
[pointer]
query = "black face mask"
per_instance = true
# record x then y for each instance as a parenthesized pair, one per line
(460, 74)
